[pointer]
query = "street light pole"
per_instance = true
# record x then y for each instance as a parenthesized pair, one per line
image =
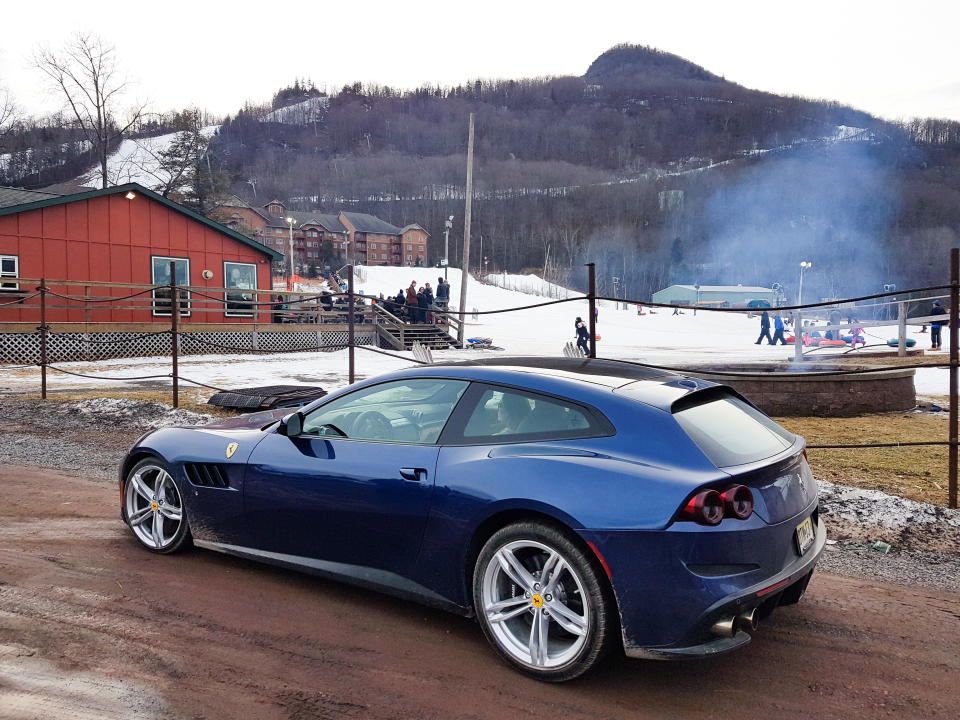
(290, 222)
(447, 225)
(803, 266)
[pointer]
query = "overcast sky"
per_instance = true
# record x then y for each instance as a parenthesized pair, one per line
(892, 59)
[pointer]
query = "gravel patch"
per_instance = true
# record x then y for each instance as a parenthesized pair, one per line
(97, 463)
(937, 570)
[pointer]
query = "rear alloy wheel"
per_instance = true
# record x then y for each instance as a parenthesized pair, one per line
(154, 508)
(540, 602)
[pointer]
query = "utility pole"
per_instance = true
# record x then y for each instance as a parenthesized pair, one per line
(464, 274)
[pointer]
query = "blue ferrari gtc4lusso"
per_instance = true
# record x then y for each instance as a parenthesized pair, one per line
(562, 502)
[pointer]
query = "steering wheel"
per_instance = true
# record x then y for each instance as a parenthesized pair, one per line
(336, 430)
(372, 425)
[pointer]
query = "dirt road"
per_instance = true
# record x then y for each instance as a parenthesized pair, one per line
(91, 626)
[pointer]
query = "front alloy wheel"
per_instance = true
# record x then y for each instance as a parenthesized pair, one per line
(154, 508)
(540, 602)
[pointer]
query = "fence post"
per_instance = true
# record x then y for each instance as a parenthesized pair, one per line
(592, 294)
(174, 340)
(43, 338)
(954, 346)
(350, 305)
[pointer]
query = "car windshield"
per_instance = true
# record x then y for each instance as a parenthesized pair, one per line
(729, 431)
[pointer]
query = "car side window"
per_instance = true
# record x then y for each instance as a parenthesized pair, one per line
(505, 414)
(406, 411)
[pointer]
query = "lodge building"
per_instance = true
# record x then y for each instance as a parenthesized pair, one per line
(357, 238)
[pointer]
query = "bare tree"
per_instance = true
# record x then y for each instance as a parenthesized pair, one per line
(9, 113)
(86, 73)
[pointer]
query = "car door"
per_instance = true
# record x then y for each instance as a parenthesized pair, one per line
(355, 486)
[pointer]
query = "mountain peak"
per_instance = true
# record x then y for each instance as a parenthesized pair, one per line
(624, 62)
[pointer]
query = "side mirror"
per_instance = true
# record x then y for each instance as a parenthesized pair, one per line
(291, 425)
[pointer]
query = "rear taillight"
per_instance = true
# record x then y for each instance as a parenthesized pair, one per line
(737, 502)
(709, 507)
(706, 508)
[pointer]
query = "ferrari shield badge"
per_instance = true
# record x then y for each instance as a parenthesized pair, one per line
(231, 449)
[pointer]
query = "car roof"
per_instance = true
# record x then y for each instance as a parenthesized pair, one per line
(609, 373)
(583, 379)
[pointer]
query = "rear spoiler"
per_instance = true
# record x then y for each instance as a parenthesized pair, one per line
(706, 395)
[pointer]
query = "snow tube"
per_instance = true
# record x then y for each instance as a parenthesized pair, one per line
(831, 343)
(893, 342)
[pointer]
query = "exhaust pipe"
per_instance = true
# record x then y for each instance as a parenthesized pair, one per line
(728, 627)
(725, 627)
(747, 620)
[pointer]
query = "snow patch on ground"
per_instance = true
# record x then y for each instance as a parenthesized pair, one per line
(876, 508)
(141, 413)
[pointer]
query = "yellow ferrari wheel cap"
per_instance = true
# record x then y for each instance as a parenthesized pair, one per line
(231, 449)
(537, 601)
(154, 506)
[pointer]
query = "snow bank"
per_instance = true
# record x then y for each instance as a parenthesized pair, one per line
(140, 413)
(876, 508)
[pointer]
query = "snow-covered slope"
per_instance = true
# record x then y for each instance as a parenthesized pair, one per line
(301, 113)
(137, 161)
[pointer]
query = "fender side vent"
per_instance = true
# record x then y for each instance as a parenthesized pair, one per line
(206, 475)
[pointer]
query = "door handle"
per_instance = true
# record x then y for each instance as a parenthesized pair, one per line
(413, 474)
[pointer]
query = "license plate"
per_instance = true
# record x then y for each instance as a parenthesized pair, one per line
(804, 535)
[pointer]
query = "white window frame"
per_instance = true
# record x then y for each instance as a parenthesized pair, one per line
(10, 286)
(253, 290)
(184, 299)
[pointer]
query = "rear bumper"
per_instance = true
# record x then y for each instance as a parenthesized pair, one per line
(668, 602)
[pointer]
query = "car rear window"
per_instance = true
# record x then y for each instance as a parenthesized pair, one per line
(728, 430)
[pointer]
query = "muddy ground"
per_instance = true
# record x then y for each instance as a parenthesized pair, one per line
(92, 626)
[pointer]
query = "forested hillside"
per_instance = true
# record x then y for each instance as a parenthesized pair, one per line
(649, 165)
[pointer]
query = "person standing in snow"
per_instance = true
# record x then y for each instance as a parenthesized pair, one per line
(443, 293)
(778, 330)
(422, 305)
(764, 329)
(583, 334)
(935, 326)
(428, 294)
(412, 301)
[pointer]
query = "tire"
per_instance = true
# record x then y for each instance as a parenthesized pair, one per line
(572, 605)
(153, 507)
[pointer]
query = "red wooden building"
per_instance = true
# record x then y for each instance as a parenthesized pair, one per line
(126, 234)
